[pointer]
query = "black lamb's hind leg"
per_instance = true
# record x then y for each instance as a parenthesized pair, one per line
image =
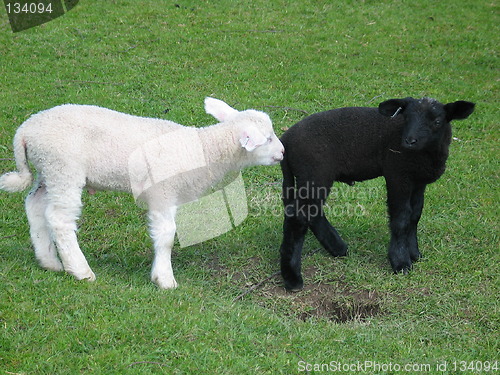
(417, 204)
(326, 234)
(294, 231)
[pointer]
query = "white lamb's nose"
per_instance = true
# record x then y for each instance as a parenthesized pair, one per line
(279, 157)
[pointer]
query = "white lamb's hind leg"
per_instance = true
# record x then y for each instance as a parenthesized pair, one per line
(62, 212)
(162, 229)
(45, 249)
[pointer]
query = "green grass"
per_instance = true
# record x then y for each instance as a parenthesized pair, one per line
(283, 58)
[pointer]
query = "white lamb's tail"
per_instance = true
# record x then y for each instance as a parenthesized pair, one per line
(22, 179)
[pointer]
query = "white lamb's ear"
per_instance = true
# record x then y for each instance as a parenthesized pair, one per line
(251, 138)
(217, 108)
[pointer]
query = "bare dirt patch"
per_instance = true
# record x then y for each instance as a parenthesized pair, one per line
(332, 300)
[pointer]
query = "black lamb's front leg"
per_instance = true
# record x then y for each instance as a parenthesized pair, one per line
(294, 230)
(400, 214)
(417, 204)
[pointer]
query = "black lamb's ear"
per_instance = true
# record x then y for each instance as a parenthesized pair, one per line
(393, 107)
(458, 110)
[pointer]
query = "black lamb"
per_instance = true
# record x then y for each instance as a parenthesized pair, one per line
(404, 140)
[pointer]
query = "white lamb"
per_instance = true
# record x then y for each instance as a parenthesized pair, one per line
(162, 163)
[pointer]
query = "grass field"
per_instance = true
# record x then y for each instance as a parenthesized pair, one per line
(160, 59)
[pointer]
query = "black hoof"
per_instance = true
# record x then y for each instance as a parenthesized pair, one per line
(340, 251)
(402, 268)
(337, 250)
(294, 285)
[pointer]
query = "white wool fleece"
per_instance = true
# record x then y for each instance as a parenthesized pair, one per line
(73, 147)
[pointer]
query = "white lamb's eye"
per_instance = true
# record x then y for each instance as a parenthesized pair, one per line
(269, 139)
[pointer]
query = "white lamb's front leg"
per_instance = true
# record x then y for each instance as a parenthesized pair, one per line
(162, 229)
